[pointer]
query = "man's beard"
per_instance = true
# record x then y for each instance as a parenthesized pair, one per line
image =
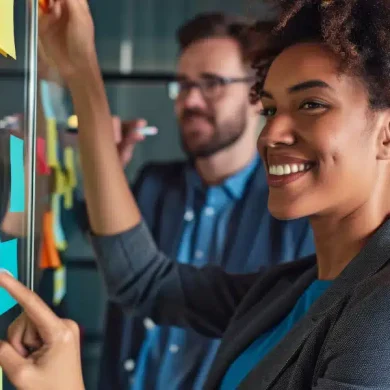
(224, 135)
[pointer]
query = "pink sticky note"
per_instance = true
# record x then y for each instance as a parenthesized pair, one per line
(43, 168)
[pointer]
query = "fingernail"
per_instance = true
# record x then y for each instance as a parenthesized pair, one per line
(6, 271)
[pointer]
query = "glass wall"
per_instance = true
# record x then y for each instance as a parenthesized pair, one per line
(21, 207)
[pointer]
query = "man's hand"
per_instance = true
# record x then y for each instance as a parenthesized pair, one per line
(126, 137)
(43, 351)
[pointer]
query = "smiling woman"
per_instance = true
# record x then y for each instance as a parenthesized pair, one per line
(322, 322)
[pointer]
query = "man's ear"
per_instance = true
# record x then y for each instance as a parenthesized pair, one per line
(384, 137)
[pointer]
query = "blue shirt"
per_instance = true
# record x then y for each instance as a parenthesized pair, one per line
(244, 364)
(166, 360)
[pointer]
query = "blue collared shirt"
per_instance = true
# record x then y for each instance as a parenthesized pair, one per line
(181, 358)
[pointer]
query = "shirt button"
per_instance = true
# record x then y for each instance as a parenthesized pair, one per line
(173, 348)
(189, 215)
(209, 211)
(199, 254)
(129, 365)
(149, 324)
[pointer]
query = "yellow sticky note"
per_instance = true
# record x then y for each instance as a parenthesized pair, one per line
(68, 198)
(59, 285)
(1, 378)
(51, 143)
(7, 38)
(59, 181)
(59, 236)
(69, 162)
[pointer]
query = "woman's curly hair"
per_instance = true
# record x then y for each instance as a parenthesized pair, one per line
(357, 31)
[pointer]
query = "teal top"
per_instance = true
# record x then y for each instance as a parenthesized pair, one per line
(249, 358)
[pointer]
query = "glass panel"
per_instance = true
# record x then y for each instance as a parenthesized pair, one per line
(18, 235)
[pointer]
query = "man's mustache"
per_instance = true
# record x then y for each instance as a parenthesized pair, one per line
(189, 114)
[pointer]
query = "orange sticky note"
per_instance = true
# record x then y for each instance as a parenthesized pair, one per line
(49, 254)
(7, 37)
(44, 5)
(44, 258)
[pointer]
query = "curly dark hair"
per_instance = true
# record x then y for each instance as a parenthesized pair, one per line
(357, 31)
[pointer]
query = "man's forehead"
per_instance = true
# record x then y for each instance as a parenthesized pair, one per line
(213, 55)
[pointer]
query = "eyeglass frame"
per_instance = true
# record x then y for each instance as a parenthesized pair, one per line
(222, 80)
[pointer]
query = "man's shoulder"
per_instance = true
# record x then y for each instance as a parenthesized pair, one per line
(161, 172)
(163, 169)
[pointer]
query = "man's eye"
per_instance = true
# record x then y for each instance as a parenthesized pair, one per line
(268, 112)
(211, 84)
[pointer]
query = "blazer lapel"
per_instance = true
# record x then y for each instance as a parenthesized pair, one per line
(171, 218)
(245, 222)
(255, 322)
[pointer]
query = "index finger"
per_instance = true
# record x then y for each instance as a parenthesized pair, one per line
(37, 311)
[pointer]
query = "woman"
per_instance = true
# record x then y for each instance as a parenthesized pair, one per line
(321, 322)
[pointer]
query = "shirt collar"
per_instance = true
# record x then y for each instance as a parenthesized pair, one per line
(235, 185)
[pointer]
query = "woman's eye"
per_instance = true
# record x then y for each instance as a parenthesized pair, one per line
(312, 106)
(268, 112)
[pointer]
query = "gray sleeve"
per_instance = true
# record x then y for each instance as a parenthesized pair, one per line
(144, 281)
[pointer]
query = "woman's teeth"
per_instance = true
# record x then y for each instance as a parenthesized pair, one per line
(287, 169)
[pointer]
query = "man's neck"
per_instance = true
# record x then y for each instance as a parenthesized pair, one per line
(215, 169)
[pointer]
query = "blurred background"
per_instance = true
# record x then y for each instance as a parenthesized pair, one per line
(137, 51)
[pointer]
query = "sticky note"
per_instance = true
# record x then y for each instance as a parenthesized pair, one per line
(8, 261)
(7, 37)
(59, 181)
(46, 97)
(44, 5)
(68, 197)
(69, 162)
(71, 177)
(59, 235)
(52, 143)
(17, 174)
(42, 167)
(59, 285)
(1, 378)
(49, 254)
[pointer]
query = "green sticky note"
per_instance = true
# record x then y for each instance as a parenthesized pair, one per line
(8, 261)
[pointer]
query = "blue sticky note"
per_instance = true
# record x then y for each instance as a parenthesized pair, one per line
(47, 99)
(17, 174)
(8, 261)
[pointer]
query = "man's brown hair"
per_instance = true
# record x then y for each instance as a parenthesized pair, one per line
(220, 25)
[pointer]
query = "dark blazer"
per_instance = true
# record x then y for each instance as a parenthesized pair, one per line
(342, 343)
(161, 195)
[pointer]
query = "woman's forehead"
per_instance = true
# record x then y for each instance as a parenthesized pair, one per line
(305, 62)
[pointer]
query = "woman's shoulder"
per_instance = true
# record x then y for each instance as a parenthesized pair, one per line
(366, 313)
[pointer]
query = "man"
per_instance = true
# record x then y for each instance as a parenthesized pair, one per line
(210, 209)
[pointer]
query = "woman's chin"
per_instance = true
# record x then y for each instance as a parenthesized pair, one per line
(285, 210)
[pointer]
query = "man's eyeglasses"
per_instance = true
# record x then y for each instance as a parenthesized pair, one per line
(211, 88)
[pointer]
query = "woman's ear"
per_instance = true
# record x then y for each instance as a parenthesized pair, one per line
(384, 137)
